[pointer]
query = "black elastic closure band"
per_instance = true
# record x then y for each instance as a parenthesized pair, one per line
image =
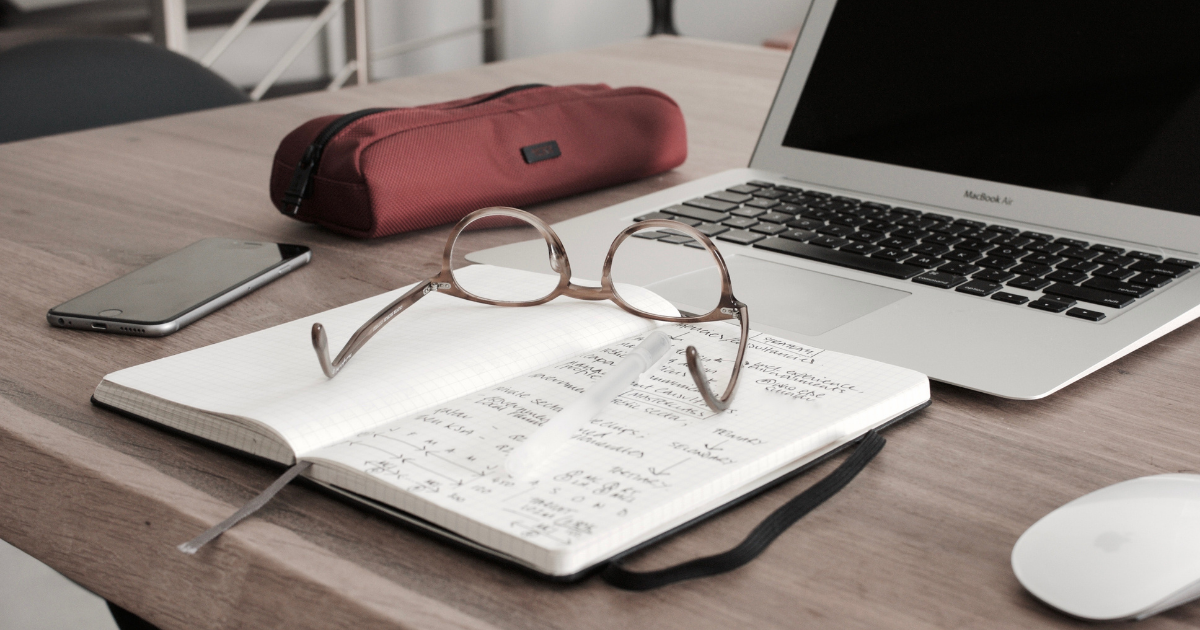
(762, 536)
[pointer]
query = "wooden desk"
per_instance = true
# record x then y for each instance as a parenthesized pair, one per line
(920, 540)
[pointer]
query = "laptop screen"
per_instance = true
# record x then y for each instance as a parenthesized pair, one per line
(1095, 98)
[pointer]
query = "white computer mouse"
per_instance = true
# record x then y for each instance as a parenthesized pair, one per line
(1127, 551)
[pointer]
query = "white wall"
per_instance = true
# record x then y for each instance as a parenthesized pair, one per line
(530, 27)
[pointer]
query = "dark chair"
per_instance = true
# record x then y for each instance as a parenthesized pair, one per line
(62, 85)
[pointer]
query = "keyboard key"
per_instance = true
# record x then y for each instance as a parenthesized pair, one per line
(740, 222)
(1190, 264)
(1122, 288)
(996, 262)
(1030, 269)
(1038, 236)
(1083, 313)
(831, 242)
(849, 220)
(769, 193)
(910, 233)
(799, 235)
(654, 215)
(768, 228)
(1162, 269)
(741, 237)
(929, 249)
(975, 246)
(1145, 256)
(994, 275)
(1115, 260)
(1079, 253)
(1029, 283)
(675, 239)
(789, 208)
(942, 239)
(938, 217)
(894, 255)
(760, 183)
(958, 268)
(1044, 305)
(775, 217)
(1150, 280)
(805, 224)
(1059, 299)
(1011, 298)
(760, 202)
(749, 211)
(1007, 251)
(877, 226)
(1093, 296)
(963, 256)
(909, 211)
(1042, 247)
(791, 189)
(919, 223)
(1107, 249)
(939, 279)
(981, 234)
(925, 262)
(711, 229)
(1078, 265)
(711, 204)
(1039, 258)
(866, 236)
(650, 235)
(744, 189)
(1013, 240)
(863, 249)
(731, 197)
(969, 223)
(948, 228)
(694, 245)
(816, 193)
(1116, 273)
(895, 242)
(1067, 276)
(700, 214)
(1003, 229)
(836, 230)
(1071, 242)
(842, 259)
(981, 288)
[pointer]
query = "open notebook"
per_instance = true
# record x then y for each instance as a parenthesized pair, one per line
(420, 421)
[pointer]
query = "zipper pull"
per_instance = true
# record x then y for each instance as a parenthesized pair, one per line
(298, 189)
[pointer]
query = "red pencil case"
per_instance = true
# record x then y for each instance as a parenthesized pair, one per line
(381, 171)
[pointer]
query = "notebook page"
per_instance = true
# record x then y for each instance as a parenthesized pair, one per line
(655, 453)
(440, 348)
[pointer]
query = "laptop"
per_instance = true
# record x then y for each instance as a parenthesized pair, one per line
(1002, 195)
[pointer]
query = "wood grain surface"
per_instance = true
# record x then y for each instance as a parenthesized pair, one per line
(920, 540)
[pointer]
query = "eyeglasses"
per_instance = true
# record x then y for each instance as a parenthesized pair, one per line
(726, 306)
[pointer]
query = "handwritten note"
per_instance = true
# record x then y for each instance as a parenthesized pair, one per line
(657, 450)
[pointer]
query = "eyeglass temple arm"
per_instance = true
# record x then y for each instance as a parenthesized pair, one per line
(696, 367)
(366, 331)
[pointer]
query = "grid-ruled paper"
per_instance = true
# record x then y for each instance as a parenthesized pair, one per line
(437, 350)
(652, 457)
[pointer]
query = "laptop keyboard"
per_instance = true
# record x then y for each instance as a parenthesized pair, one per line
(937, 250)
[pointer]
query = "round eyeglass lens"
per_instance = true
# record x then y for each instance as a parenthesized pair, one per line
(680, 272)
(518, 287)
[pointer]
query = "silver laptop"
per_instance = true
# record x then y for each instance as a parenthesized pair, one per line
(1002, 195)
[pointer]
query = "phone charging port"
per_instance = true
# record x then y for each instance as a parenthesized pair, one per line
(99, 326)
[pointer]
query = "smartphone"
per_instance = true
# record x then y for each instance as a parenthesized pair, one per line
(171, 293)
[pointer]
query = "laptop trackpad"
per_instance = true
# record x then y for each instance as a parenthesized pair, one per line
(780, 296)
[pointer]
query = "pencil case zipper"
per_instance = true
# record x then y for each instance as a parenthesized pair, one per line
(302, 177)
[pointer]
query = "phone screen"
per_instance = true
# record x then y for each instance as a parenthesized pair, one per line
(173, 286)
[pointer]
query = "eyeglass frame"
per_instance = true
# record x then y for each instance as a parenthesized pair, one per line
(728, 307)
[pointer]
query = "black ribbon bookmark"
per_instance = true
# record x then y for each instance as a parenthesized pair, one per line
(762, 536)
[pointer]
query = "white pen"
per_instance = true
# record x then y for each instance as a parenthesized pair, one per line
(542, 444)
